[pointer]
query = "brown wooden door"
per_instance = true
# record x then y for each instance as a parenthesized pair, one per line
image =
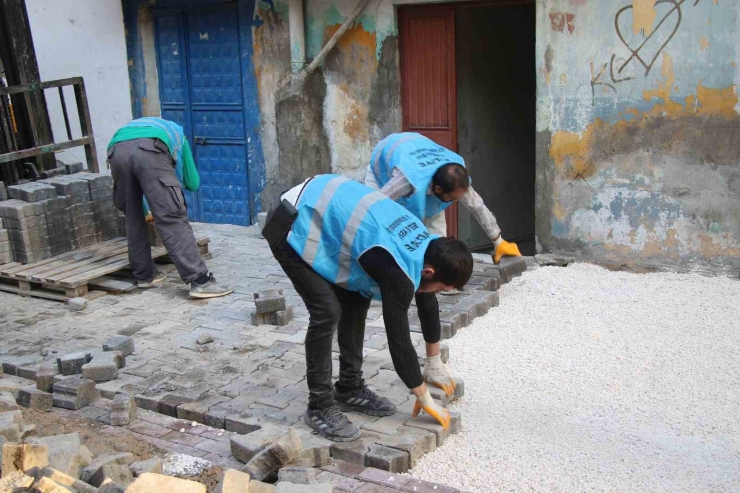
(428, 87)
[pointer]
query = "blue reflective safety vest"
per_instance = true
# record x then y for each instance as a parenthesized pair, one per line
(418, 158)
(340, 219)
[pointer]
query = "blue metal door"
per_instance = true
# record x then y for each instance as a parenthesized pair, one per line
(201, 89)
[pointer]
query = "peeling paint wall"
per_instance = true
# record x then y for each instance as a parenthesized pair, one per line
(637, 158)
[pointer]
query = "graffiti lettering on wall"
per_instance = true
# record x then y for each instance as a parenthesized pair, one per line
(559, 21)
(643, 51)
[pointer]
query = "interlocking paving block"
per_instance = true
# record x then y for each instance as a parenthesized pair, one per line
(47, 485)
(66, 453)
(75, 392)
(297, 475)
(122, 409)
(355, 451)
(3, 191)
(103, 366)
(387, 459)
(149, 482)
(233, 482)
(438, 395)
(7, 402)
(414, 441)
(24, 457)
(119, 473)
(269, 304)
(67, 481)
(459, 388)
(283, 317)
(77, 304)
(11, 426)
(153, 465)
(124, 344)
(196, 410)
(428, 423)
(484, 283)
(511, 267)
(444, 352)
(32, 192)
(71, 364)
(275, 456)
(168, 404)
(245, 447)
(35, 399)
(260, 487)
(18, 209)
(72, 168)
(15, 481)
(285, 487)
(96, 472)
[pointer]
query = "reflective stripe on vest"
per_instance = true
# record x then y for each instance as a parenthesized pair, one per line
(418, 158)
(340, 219)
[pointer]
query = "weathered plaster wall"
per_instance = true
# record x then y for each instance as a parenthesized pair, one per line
(638, 127)
(83, 38)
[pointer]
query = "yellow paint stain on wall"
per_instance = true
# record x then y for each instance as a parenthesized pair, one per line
(717, 101)
(563, 79)
(669, 79)
(704, 43)
(570, 151)
(356, 38)
(643, 12)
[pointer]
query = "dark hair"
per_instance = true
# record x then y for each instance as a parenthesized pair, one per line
(450, 177)
(452, 261)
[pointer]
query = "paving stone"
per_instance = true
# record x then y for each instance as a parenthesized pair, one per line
(272, 458)
(102, 467)
(72, 168)
(103, 366)
(284, 487)
(168, 404)
(24, 457)
(35, 399)
(355, 451)
(428, 423)
(46, 485)
(260, 487)
(196, 410)
(415, 441)
(153, 465)
(68, 481)
(32, 192)
(297, 475)
(123, 344)
(66, 453)
(233, 482)
(7, 402)
(511, 267)
(71, 364)
(149, 483)
(11, 426)
(204, 339)
(45, 378)
(75, 393)
(268, 304)
(245, 447)
(15, 481)
(459, 388)
(455, 423)
(122, 410)
(283, 317)
(4, 193)
(76, 304)
(387, 459)
(109, 486)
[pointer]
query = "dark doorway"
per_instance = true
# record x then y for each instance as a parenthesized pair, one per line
(496, 98)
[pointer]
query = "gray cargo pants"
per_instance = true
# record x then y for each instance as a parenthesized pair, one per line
(144, 167)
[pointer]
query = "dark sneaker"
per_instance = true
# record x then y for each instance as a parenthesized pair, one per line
(331, 423)
(364, 400)
(157, 278)
(210, 289)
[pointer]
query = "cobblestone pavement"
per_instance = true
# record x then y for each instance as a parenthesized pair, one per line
(248, 376)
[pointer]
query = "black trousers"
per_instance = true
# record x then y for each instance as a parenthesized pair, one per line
(330, 308)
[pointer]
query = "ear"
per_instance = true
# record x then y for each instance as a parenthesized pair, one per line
(437, 190)
(427, 273)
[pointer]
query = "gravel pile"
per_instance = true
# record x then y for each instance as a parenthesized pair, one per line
(590, 380)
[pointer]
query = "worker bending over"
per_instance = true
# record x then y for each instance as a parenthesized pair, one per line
(342, 244)
(426, 178)
(145, 158)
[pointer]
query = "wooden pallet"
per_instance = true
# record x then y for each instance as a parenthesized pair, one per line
(70, 274)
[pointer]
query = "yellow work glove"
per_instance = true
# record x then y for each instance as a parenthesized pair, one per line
(436, 374)
(433, 409)
(505, 249)
(149, 217)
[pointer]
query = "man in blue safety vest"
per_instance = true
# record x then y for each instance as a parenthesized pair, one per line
(426, 178)
(342, 244)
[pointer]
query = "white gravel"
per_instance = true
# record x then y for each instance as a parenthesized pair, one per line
(182, 464)
(590, 380)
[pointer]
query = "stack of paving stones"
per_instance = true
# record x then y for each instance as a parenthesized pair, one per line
(271, 308)
(57, 215)
(5, 255)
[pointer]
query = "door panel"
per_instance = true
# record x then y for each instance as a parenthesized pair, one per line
(428, 92)
(207, 99)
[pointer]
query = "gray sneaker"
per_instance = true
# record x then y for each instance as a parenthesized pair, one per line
(210, 289)
(331, 423)
(157, 278)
